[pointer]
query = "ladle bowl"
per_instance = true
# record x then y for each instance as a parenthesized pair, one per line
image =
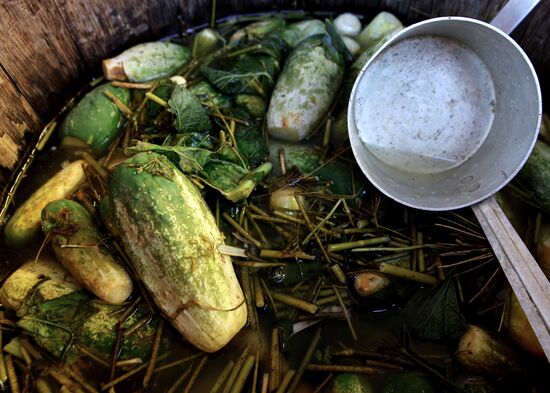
(442, 117)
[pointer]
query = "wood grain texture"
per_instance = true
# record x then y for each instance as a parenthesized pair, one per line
(38, 53)
(18, 120)
(103, 28)
(163, 16)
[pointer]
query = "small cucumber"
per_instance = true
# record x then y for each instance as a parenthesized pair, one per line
(95, 119)
(24, 226)
(45, 278)
(77, 244)
(147, 61)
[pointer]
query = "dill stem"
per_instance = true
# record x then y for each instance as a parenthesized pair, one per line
(275, 361)
(323, 383)
(241, 230)
(154, 354)
(295, 302)
(285, 254)
(157, 99)
(222, 377)
(286, 381)
(243, 374)
(421, 259)
(12, 376)
(321, 223)
(259, 298)
(177, 362)
(358, 243)
(408, 274)
(336, 368)
(235, 371)
(195, 374)
(346, 312)
(180, 380)
(394, 249)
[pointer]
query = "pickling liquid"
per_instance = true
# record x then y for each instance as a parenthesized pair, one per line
(425, 105)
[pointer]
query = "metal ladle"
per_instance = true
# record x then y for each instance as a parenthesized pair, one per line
(442, 117)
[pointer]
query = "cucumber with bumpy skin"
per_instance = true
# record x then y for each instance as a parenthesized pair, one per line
(76, 243)
(535, 175)
(24, 226)
(95, 119)
(172, 240)
(44, 278)
(305, 89)
(147, 61)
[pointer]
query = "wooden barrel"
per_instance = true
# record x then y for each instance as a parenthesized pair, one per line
(51, 48)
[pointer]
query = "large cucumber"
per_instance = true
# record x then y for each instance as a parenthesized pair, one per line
(305, 89)
(172, 240)
(24, 226)
(76, 242)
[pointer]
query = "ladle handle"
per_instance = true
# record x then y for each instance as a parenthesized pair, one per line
(529, 283)
(513, 12)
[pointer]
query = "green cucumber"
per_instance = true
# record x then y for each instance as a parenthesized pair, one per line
(147, 61)
(409, 382)
(76, 243)
(95, 119)
(24, 226)
(535, 175)
(305, 89)
(350, 383)
(297, 32)
(62, 325)
(172, 240)
(44, 277)
(259, 30)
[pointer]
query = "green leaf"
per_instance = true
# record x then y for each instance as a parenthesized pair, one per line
(254, 71)
(251, 143)
(434, 314)
(223, 169)
(191, 116)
